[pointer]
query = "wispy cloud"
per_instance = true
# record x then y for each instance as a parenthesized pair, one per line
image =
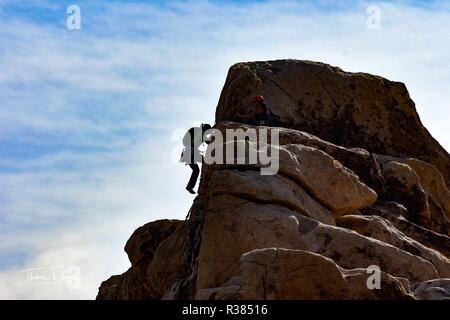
(86, 116)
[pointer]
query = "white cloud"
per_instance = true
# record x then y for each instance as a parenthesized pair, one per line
(147, 71)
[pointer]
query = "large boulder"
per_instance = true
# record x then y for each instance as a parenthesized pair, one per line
(276, 189)
(396, 213)
(381, 229)
(352, 250)
(420, 188)
(234, 226)
(325, 178)
(146, 239)
(402, 185)
(347, 109)
(134, 284)
(363, 163)
(432, 183)
(276, 273)
(438, 289)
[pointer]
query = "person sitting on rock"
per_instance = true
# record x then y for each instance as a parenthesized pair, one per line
(191, 155)
(259, 114)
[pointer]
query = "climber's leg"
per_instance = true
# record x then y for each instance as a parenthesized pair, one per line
(193, 179)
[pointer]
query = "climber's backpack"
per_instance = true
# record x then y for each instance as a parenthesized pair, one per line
(188, 137)
(193, 137)
(191, 141)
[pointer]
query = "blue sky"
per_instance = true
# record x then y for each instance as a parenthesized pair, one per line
(89, 118)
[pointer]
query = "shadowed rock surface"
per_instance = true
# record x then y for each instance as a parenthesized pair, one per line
(361, 184)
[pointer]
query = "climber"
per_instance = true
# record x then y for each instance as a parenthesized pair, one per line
(259, 115)
(191, 155)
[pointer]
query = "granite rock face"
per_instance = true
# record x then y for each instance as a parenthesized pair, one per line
(274, 273)
(348, 109)
(140, 248)
(359, 208)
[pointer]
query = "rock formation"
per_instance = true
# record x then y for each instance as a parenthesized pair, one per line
(362, 187)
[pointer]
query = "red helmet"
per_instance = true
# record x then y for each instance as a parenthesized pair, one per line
(258, 98)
